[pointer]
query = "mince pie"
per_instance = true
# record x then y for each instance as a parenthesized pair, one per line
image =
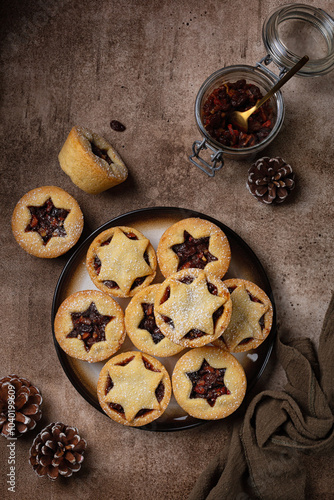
(47, 222)
(134, 388)
(91, 162)
(141, 326)
(192, 308)
(121, 261)
(209, 383)
(89, 325)
(194, 243)
(252, 317)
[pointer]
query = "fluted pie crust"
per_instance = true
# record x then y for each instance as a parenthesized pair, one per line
(193, 401)
(210, 247)
(121, 261)
(252, 317)
(134, 388)
(65, 222)
(141, 308)
(192, 308)
(75, 308)
(91, 162)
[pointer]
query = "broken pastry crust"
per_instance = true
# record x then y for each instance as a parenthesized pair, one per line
(71, 226)
(192, 308)
(121, 261)
(91, 172)
(114, 330)
(213, 254)
(134, 388)
(217, 359)
(252, 317)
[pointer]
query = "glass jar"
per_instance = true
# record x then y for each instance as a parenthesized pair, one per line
(289, 33)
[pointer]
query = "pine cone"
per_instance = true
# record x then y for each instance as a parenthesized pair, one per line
(19, 406)
(57, 451)
(270, 180)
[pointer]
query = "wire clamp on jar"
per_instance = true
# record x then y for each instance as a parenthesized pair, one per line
(217, 161)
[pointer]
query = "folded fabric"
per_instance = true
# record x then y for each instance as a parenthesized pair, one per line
(263, 457)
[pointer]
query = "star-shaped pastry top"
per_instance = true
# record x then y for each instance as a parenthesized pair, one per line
(122, 260)
(134, 387)
(89, 326)
(246, 315)
(47, 220)
(191, 306)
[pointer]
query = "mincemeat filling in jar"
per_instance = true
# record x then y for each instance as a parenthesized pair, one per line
(237, 96)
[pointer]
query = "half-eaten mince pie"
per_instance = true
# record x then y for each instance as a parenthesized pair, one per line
(252, 317)
(134, 388)
(192, 308)
(121, 261)
(209, 383)
(141, 326)
(194, 243)
(47, 222)
(91, 162)
(89, 325)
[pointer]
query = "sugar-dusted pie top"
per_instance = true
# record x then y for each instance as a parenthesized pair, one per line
(47, 221)
(251, 319)
(126, 261)
(194, 243)
(134, 388)
(89, 325)
(209, 382)
(186, 305)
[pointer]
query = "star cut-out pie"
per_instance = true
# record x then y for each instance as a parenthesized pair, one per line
(141, 326)
(89, 325)
(134, 388)
(194, 243)
(121, 261)
(209, 383)
(192, 308)
(47, 222)
(252, 317)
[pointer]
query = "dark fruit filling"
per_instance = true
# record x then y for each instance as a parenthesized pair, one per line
(187, 280)
(166, 295)
(149, 365)
(47, 220)
(194, 334)
(125, 361)
(148, 323)
(101, 153)
(208, 383)
(89, 326)
(246, 341)
(238, 96)
(160, 392)
(138, 282)
(193, 252)
(217, 314)
(212, 288)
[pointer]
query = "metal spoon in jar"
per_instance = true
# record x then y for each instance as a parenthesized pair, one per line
(240, 118)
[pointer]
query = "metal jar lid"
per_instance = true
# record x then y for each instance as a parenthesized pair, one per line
(293, 30)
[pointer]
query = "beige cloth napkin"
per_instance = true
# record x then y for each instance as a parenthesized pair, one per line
(263, 458)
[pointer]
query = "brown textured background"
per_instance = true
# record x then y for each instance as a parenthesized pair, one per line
(68, 62)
